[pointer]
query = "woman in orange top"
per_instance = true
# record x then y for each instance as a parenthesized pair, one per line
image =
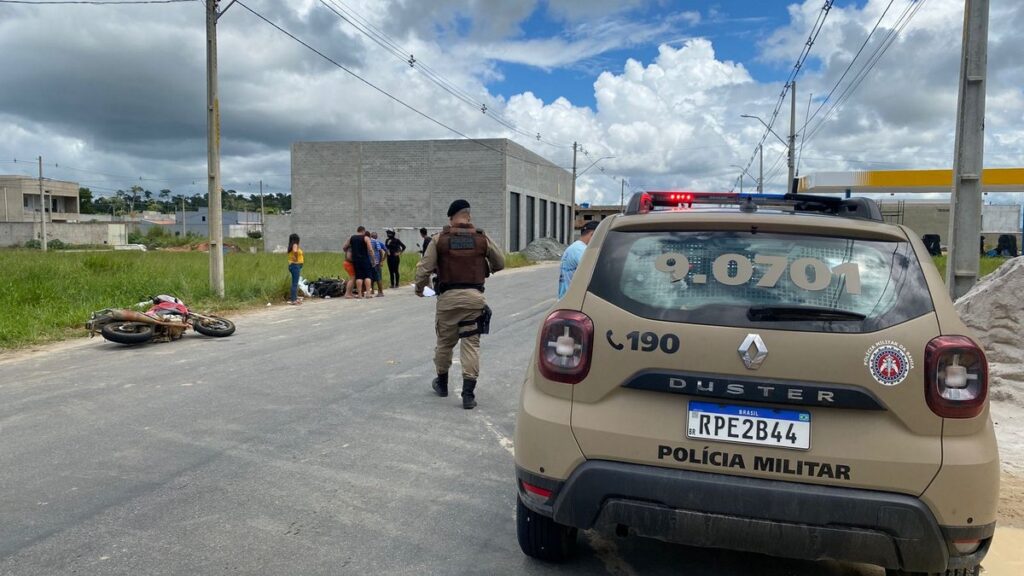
(295, 261)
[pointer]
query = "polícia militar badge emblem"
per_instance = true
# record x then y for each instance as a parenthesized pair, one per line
(889, 362)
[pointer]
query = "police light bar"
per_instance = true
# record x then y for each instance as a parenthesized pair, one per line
(862, 208)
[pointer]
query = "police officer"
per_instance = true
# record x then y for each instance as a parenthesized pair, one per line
(463, 257)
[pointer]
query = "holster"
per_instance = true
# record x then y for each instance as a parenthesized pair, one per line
(481, 324)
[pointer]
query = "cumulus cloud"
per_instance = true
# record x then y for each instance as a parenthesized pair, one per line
(121, 91)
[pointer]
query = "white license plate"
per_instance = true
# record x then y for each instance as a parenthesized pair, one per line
(749, 425)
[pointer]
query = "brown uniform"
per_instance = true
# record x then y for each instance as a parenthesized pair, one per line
(462, 258)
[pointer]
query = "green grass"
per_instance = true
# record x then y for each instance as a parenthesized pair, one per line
(988, 265)
(48, 296)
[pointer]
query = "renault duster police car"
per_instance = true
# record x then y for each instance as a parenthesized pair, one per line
(776, 374)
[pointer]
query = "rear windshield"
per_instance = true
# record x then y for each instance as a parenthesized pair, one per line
(770, 281)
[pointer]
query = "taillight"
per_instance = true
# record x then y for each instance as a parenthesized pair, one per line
(566, 345)
(956, 377)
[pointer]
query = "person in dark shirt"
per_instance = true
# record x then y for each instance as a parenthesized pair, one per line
(426, 241)
(363, 259)
(395, 248)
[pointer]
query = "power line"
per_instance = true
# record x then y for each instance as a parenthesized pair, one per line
(852, 62)
(385, 92)
(913, 7)
(812, 36)
(364, 26)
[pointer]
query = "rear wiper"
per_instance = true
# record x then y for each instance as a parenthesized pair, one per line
(784, 313)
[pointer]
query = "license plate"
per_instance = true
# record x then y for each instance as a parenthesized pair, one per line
(748, 425)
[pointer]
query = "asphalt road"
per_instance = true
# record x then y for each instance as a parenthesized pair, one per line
(307, 443)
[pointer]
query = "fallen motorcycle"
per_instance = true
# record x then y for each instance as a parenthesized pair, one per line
(166, 319)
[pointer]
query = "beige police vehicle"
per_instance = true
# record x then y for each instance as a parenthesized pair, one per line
(780, 374)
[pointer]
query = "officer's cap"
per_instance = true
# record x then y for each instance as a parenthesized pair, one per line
(457, 206)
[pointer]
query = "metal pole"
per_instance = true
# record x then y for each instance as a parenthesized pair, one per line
(213, 153)
(7, 217)
(792, 137)
(184, 232)
(572, 207)
(42, 203)
(622, 195)
(965, 202)
(741, 182)
(760, 164)
(263, 213)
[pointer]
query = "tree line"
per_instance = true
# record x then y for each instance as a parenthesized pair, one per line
(137, 199)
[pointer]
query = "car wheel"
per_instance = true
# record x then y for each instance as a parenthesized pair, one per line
(543, 538)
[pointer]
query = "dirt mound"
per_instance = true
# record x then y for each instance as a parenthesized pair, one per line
(994, 310)
(543, 249)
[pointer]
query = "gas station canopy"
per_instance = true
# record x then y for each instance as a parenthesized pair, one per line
(910, 181)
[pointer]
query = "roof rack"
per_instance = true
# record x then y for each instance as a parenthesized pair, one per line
(859, 208)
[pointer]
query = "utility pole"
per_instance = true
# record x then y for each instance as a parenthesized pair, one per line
(760, 164)
(622, 196)
(969, 151)
(184, 232)
(572, 207)
(42, 203)
(263, 213)
(213, 152)
(741, 182)
(792, 137)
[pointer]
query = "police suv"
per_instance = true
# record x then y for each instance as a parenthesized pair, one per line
(780, 374)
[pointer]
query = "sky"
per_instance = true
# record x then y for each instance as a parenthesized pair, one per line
(115, 95)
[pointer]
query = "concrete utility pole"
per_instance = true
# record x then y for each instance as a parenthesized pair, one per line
(572, 206)
(42, 203)
(760, 168)
(622, 196)
(213, 152)
(263, 213)
(184, 232)
(792, 138)
(969, 151)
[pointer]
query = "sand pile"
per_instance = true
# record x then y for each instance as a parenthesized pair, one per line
(994, 309)
(543, 249)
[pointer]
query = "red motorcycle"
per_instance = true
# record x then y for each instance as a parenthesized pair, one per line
(165, 320)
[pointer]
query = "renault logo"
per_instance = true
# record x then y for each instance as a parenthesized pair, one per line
(753, 351)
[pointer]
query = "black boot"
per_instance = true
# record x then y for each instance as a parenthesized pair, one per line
(468, 398)
(440, 385)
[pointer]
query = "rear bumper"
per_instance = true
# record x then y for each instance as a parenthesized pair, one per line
(755, 515)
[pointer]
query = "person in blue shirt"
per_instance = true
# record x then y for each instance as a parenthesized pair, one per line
(380, 254)
(572, 256)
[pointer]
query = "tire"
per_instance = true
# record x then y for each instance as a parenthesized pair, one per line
(541, 537)
(973, 571)
(214, 326)
(127, 332)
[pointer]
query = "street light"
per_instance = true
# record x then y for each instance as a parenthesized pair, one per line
(592, 164)
(758, 118)
(790, 146)
(742, 172)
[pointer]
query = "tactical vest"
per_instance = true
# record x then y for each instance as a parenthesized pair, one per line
(461, 258)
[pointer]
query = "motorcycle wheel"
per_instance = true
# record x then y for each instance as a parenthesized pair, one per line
(127, 332)
(214, 326)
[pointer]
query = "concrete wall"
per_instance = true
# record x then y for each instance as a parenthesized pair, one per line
(275, 232)
(338, 186)
(17, 233)
(532, 176)
(933, 218)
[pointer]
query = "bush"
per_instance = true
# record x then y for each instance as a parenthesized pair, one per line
(34, 244)
(255, 234)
